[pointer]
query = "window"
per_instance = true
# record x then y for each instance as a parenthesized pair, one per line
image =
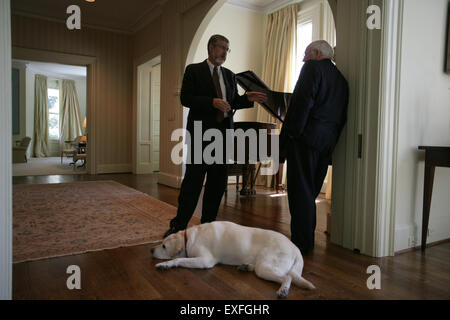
(315, 22)
(53, 114)
(304, 38)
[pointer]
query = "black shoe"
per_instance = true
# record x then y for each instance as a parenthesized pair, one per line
(305, 251)
(170, 231)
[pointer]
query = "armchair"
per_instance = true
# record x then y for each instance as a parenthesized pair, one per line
(19, 152)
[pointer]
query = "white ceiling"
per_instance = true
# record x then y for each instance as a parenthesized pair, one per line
(53, 69)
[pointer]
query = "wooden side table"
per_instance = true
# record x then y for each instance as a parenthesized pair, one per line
(434, 157)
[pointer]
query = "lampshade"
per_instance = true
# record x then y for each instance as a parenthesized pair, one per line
(84, 123)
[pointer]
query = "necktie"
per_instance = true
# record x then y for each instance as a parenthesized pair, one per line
(219, 116)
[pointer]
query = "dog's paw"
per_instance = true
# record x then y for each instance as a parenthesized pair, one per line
(283, 292)
(246, 267)
(163, 266)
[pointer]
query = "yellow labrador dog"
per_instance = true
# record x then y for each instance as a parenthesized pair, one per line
(270, 254)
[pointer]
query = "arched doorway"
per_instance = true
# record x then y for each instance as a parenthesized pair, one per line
(361, 217)
(315, 13)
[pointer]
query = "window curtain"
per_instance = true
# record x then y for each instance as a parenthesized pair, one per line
(279, 60)
(40, 148)
(70, 125)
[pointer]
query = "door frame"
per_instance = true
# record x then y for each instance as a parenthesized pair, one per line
(71, 59)
(6, 154)
(364, 162)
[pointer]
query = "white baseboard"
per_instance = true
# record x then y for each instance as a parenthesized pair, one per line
(144, 168)
(410, 236)
(403, 237)
(232, 180)
(114, 168)
(169, 180)
(175, 181)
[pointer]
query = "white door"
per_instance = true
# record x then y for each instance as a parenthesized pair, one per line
(155, 89)
(148, 101)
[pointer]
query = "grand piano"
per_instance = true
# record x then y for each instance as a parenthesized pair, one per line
(276, 105)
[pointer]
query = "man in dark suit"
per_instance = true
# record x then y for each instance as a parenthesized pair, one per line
(210, 92)
(316, 115)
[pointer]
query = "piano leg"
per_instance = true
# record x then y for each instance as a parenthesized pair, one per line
(278, 185)
(247, 177)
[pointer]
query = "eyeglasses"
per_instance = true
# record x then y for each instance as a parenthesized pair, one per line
(224, 48)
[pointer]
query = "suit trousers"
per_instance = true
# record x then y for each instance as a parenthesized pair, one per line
(306, 170)
(191, 187)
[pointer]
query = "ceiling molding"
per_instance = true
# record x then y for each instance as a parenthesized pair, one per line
(18, 64)
(280, 4)
(244, 4)
(150, 15)
(275, 5)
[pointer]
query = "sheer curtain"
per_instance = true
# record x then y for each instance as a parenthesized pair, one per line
(40, 148)
(279, 60)
(70, 112)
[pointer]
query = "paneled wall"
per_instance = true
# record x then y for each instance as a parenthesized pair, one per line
(177, 25)
(146, 39)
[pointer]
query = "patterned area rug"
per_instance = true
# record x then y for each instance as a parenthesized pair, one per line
(52, 220)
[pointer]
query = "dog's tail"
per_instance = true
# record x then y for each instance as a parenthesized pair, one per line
(296, 274)
(302, 282)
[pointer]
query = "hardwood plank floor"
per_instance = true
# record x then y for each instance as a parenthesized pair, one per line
(129, 273)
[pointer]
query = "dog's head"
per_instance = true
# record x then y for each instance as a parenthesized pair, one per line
(171, 247)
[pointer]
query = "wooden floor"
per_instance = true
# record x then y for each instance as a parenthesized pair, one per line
(129, 273)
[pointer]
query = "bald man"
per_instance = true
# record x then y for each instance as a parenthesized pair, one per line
(315, 118)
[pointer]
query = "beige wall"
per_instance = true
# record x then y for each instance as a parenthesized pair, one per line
(147, 39)
(178, 23)
(246, 35)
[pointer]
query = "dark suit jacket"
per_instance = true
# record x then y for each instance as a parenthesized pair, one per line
(198, 91)
(318, 108)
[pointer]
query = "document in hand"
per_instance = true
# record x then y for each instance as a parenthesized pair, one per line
(277, 102)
